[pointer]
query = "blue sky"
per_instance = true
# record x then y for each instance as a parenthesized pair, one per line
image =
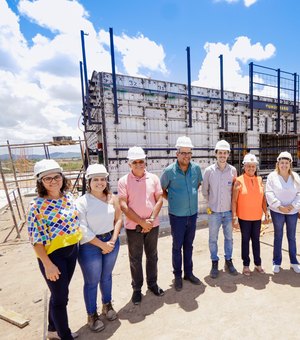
(40, 50)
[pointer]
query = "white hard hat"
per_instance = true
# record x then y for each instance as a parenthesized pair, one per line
(250, 158)
(222, 145)
(96, 170)
(285, 155)
(136, 152)
(184, 142)
(46, 166)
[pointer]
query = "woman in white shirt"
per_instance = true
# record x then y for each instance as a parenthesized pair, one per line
(283, 196)
(100, 220)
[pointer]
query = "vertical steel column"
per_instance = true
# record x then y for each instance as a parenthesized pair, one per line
(222, 92)
(190, 124)
(251, 95)
(295, 103)
(113, 68)
(82, 94)
(82, 85)
(278, 102)
(87, 97)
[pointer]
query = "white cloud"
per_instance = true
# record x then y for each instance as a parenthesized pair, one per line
(137, 53)
(40, 93)
(59, 16)
(247, 3)
(13, 46)
(234, 58)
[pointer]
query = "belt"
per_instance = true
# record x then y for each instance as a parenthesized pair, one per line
(105, 234)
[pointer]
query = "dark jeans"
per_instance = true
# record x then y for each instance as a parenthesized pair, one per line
(250, 230)
(291, 223)
(136, 243)
(65, 259)
(183, 229)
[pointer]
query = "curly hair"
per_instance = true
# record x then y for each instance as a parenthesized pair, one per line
(42, 191)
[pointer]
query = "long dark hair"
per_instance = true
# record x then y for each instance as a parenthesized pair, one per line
(42, 191)
(106, 191)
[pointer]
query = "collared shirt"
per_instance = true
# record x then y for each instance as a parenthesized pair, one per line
(95, 216)
(217, 187)
(279, 192)
(182, 188)
(141, 195)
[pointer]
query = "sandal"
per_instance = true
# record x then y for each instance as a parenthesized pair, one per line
(246, 271)
(260, 269)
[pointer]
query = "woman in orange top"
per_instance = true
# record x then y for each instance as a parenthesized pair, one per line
(248, 205)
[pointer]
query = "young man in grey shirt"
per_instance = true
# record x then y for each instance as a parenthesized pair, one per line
(217, 184)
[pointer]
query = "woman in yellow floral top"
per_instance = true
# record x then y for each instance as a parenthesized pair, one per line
(53, 229)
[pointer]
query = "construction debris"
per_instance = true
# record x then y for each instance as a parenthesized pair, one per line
(13, 317)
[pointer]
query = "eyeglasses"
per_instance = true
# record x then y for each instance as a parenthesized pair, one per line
(185, 153)
(51, 179)
(137, 162)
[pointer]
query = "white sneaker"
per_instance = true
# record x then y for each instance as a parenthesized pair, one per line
(276, 268)
(296, 268)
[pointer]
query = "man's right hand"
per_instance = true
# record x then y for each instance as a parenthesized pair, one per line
(147, 225)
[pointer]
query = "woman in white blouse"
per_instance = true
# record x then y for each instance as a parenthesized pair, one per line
(100, 220)
(283, 196)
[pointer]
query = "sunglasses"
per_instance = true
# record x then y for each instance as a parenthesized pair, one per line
(137, 162)
(51, 179)
(185, 153)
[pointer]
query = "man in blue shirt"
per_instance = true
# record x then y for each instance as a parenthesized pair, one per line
(180, 182)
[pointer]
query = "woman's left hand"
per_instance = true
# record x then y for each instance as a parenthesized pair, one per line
(110, 245)
(267, 219)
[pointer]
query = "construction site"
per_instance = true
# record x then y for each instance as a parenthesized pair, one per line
(118, 112)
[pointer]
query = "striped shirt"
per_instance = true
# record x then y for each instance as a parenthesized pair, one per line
(217, 187)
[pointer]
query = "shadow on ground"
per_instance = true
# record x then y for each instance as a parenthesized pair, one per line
(229, 284)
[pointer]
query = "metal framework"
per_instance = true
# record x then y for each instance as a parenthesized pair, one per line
(12, 186)
(277, 84)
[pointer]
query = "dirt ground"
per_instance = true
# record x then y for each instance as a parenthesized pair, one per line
(262, 306)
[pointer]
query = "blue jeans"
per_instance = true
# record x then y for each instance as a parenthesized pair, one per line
(65, 259)
(215, 220)
(291, 223)
(250, 230)
(97, 270)
(137, 242)
(183, 230)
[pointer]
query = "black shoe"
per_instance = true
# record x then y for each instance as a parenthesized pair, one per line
(136, 297)
(193, 279)
(230, 267)
(178, 283)
(156, 290)
(214, 272)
